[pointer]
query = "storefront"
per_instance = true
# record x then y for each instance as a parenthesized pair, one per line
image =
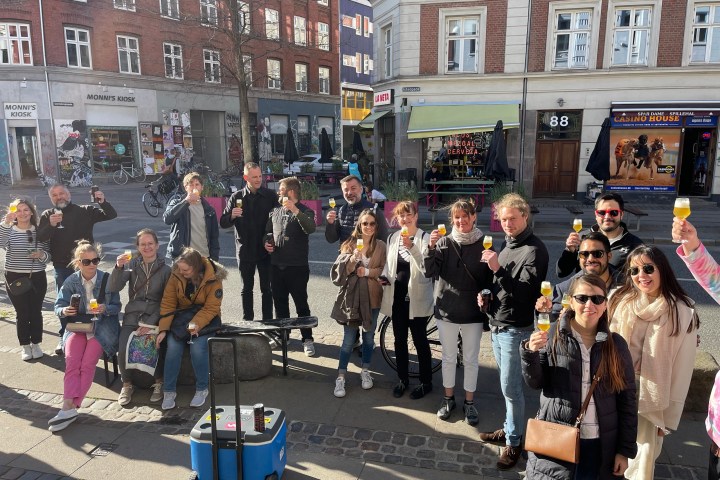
(21, 158)
(663, 147)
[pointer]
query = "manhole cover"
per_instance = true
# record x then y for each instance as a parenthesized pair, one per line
(103, 450)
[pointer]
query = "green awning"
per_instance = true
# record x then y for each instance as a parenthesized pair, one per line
(368, 122)
(442, 120)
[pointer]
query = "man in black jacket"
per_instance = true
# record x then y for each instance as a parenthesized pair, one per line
(248, 210)
(608, 215)
(341, 223)
(290, 225)
(518, 270)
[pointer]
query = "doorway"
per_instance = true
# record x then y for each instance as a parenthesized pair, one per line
(696, 164)
(28, 154)
(556, 163)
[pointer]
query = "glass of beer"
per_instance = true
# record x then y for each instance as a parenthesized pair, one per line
(238, 203)
(543, 321)
(441, 229)
(128, 255)
(566, 300)
(546, 289)
(487, 242)
(404, 231)
(59, 212)
(577, 224)
(13, 208)
(191, 328)
(331, 202)
(360, 244)
(93, 304)
(682, 211)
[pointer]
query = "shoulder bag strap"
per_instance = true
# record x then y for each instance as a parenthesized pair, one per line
(463, 261)
(134, 291)
(103, 284)
(587, 400)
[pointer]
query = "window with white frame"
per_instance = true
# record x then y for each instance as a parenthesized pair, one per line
(173, 60)
(324, 80)
(77, 47)
(300, 33)
(571, 46)
(706, 34)
(211, 59)
(367, 64)
(348, 21)
(243, 17)
(631, 35)
(323, 2)
(15, 44)
(125, 4)
(358, 62)
(366, 26)
(272, 24)
(387, 52)
(301, 77)
(208, 12)
(128, 54)
(462, 36)
(358, 25)
(323, 41)
(349, 60)
(273, 72)
(170, 9)
(247, 66)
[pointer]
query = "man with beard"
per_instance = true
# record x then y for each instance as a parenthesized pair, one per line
(63, 226)
(608, 215)
(595, 257)
(341, 223)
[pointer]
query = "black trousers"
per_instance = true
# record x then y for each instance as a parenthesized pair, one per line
(28, 307)
(401, 322)
(291, 281)
(713, 467)
(247, 273)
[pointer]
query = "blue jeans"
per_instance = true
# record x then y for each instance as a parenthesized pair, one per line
(198, 355)
(367, 343)
(61, 274)
(506, 348)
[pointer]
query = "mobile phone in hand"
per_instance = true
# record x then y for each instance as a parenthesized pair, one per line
(269, 239)
(75, 300)
(383, 280)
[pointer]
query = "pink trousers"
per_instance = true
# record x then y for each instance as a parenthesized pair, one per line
(81, 357)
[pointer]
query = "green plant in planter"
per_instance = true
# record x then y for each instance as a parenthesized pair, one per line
(276, 166)
(499, 190)
(399, 191)
(211, 189)
(309, 191)
(337, 164)
(307, 168)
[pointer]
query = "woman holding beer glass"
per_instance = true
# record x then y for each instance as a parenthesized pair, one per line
(146, 276)
(25, 258)
(562, 363)
(357, 268)
(407, 298)
(84, 294)
(657, 319)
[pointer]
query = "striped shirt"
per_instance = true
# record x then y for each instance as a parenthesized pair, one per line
(16, 243)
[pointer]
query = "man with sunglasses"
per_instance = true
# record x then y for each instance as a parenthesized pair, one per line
(64, 230)
(608, 215)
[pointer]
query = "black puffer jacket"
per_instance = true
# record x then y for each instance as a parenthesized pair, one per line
(569, 264)
(561, 398)
(347, 217)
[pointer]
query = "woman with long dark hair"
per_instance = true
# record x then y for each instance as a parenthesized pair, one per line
(25, 258)
(658, 320)
(562, 363)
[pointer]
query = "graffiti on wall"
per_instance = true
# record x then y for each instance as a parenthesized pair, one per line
(73, 153)
(5, 140)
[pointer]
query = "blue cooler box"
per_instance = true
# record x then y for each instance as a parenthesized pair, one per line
(263, 452)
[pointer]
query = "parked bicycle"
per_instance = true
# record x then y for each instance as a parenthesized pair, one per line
(155, 200)
(128, 171)
(387, 347)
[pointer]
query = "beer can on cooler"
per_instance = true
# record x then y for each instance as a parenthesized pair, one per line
(259, 416)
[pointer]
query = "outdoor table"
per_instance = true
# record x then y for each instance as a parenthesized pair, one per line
(473, 186)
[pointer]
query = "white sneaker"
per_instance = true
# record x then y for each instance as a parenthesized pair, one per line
(125, 395)
(309, 348)
(26, 354)
(59, 348)
(199, 399)
(36, 350)
(340, 387)
(62, 419)
(168, 402)
(157, 393)
(366, 379)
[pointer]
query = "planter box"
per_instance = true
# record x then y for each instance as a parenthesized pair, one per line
(316, 206)
(218, 203)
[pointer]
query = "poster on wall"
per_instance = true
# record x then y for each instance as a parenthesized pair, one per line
(146, 146)
(73, 153)
(158, 150)
(643, 159)
(177, 136)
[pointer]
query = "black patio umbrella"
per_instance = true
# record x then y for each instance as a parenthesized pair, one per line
(291, 153)
(326, 151)
(496, 165)
(599, 163)
(357, 145)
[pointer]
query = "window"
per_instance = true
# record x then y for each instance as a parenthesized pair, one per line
(630, 36)
(706, 34)
(77, 47)
(323, 42)
(212, 66)
(128, 54)
(208, 12)
(273, 72)
(348, 21)
(349, 60)
(170, 8)
(348, 98)
(358, 24)
(243, 17)
(272, 24)
(358, 62)
(247, 66)
(367, 64)
(366, 26)
(301, 77)
(300, 31)
(278, 132)
(323, 2)
(125, 4)
(572, 38)
(303, 134)
(387, 52)
(15, 46)
(173, 60)
(461, 43)
(324, 80)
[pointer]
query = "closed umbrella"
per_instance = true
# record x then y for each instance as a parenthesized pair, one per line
(357, 145)
(599, 163)
(291, 153)
(326, 151)
(496, 165)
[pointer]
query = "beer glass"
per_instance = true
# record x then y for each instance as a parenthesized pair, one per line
(682, 211)
(331, 202)
(441, 229)
(13, 208)
(128, 254)
(59, 212)
(543, 322)
(360, 244)
(487, 244)
(238, 203)
(191, 327)
(546, 289)
(577, 224)
(93, 304)
(566, 300)
(404, 232)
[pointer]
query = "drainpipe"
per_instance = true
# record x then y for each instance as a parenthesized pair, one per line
(523, 111)
(49, 95)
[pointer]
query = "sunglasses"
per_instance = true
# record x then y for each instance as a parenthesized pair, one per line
(591, 253)
(602, 213)
(87, 261)
(596, 299)
(368, 224)
(648, 269)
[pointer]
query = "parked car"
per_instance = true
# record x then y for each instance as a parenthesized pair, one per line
(311, 159)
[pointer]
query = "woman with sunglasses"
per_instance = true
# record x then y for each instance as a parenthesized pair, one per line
(562, 363)
(83, 350)
(657, 318)
(25, 258)
(356, 270)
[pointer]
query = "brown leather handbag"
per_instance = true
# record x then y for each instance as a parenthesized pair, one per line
(561, 442)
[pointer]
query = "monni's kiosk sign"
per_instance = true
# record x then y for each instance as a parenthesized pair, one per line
(20, 111)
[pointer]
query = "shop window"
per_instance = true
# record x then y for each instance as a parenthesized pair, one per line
(124, 5)
(77, 47)
(631, 35)
(301, 77)
(300, 33)
(324, 80)
(128, 54)
(173, 60)
(104, 150)
(303, 134)
(278, 133)
(462, 38)
(323, 40)
(170, 9)
(208, 12)
(273, 72)
(706, 34)
(272, 24)
(15, 44)
(571, 44)
(212, 66)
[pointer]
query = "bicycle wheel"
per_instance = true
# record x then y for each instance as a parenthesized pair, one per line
(387, 347)
(139, 175)
(153, 203)
(120, 177)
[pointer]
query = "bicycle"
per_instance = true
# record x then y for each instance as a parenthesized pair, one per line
(155, 201)
(128, 171)
(387, 347)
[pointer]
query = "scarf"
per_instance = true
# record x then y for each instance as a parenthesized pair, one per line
(466, 238)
